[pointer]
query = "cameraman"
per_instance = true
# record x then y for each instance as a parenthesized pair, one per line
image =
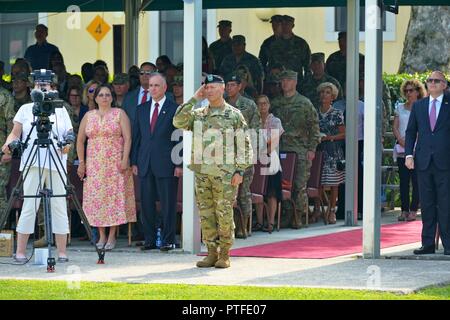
(61, 126)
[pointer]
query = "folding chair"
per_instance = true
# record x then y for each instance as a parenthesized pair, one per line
(258, 188)
(313, 189)
(288, 165)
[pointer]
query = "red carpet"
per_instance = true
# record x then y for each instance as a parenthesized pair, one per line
(333, 245)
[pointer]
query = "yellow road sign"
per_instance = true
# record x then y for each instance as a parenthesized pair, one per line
(98, 28)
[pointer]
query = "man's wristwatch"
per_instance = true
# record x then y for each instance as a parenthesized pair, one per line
(239, 172)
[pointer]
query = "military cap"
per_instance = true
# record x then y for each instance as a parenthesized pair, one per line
(318, 56)
(342, 34)
(287, 18)
(121, 78)
(238, 39)
(233, 77)
(224, 23)
(276, 18)
(213, 78)
(288, 74)
(20, 76)
(177, 80)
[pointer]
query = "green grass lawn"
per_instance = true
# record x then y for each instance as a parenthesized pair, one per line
(60, 290)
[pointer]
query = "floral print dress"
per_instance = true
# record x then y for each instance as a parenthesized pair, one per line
(108, 194)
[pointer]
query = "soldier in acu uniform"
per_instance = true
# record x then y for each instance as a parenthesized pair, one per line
(6, 124)
(290, 50)
(302, 135)
(264, 51)
(308, 87)
(217, 176)
(222, 47)
(251, 115)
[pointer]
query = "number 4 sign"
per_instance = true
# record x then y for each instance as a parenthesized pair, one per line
(98, 28)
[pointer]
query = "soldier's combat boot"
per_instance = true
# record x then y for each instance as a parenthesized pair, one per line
(224, 258)
(42, 242)
(210, 260)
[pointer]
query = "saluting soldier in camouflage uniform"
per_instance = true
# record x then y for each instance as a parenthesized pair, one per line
(218, 174)
(264, 51)
(242, 57)
(291, 51)
(251, 115)
(6, 124)
(309, 85)
(222, 47)
(302, 135)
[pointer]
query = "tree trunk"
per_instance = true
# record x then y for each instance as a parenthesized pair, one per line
(427, 41)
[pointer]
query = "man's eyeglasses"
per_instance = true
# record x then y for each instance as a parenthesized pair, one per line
(101, 95)
(147, 73)
(432, 80)
(74, 95)
(91, 90)
(410, 90)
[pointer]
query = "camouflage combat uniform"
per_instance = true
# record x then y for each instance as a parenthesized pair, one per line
(229, 65)
(336, 66)
(301, 124)
(214, 193)
(309, 85)
(6, 124)
(293, 53)
(219, 50)
(251, 115)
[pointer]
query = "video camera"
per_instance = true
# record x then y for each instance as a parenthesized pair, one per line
(45, 101)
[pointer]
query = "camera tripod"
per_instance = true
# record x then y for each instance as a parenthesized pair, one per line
(43, 127)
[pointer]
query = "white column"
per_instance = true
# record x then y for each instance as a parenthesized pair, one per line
(131, 32)
(372, 132)
(351, 125)
(154, 36)
(211, 25)
(192, 78)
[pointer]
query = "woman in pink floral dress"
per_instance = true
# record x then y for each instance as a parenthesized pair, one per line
(108, 192)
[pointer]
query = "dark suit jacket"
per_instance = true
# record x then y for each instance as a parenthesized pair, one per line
(151, 152)
(430, 144)
(131, 101)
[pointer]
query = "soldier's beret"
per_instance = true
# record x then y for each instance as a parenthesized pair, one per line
(276, 18)
(288, 74)
(238, 39)
(20, 76)
(318, 56)
(212, 78)
(177, 80)
(224, 23)
(233, 77)
(121, 78)
(287, 18)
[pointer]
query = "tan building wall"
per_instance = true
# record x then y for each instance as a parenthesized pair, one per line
(78, 46)
(310, 25)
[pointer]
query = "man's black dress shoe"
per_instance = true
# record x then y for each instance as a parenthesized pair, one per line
(167, 247)
(148, 247)
(425, 250)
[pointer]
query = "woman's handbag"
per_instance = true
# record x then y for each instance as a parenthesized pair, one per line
(274, 165)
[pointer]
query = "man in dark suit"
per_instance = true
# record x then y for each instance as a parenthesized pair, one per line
(151, 160)
(429, 123)
(140, 95)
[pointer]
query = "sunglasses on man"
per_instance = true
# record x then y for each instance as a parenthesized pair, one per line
(147, 73)
(433, 80)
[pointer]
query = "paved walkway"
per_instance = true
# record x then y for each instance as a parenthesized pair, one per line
(397, 271)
